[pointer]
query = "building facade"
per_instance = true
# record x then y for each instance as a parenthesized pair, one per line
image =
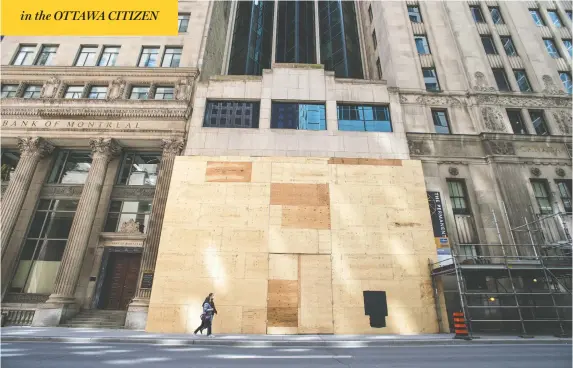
(281, 155)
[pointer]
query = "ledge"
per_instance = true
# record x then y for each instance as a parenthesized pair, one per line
(122, 236)
(107, 71)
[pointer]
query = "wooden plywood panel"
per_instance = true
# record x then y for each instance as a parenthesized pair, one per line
(218, 171)
(283, 293)
(306, 217)
(293, 240)
(299, 194)
(283, 266)
(282, 317)
(315, 294)
(254, 320)
(364, 161)
(282, 330)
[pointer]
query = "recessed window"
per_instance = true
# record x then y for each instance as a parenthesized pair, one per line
(501, 79)
(295, 36)
(71, 167)
(422, 44)
(516, 122)
(47, 54)
(538, 121)
(496, 15)
(566, 79)
(414, 14)
(459, 197)
(430, 79)
(10, 160)
(551, 48)
(121, 212)
(182, 22)
(522, 80)
(541, 193)
(139, 93)
(477, 14)
(441, 124)
(32, 91)
(568, 12)
(564, 187)
(9, 90)
(139, 168)
(488, 45)
(554, 18)
(97, 93)
(536, 17)
(364, 118)
(231, 114)
(568, 46)
(379, 68)
(108, 56)
(149, 57)
(370, 15)
(24, 55)
(164, 93)
(87, 56)
(74, 92)
(374, 39)
(172, 57)
(508, 46)
(298, 116)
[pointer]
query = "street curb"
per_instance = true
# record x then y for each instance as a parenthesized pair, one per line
(275, 343)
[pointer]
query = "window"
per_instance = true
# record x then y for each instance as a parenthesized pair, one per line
(488, 45)
(164, 93)
(568, 12)
(87, 56)
(364, 118)
(370, 15)
(538, 122)
(9, 90)
(295, 38)
(149, 57)
(108, 56)
(32, 91)
(74, 92)
(298, 116)
(374, 40)
(536, 17)
(551, 48)
(422, 44)
(476, 14)
(231, 114)
(139, 93)
(554, 18)
(379, 68)
(459, 197)
(44, 246)
(430, 79)
(441, 124)
(46, 55)
(139, 169)
(564, 187)
(516, 122)
(98, 93)
(71, 167)
(414, 14)
(182, 23)
(566, 79)
(24, 55)
(501, 79)
(121, 212)
(496, 15)
(9, 162)
(172, 57)
(541, 193)
(568, 46)
(508, 46)
(522, 80)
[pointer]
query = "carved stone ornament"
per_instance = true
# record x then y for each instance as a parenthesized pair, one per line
(560, 172)
(481, 83)
(31, 146)
(50, 88)
(61, 190)
(172, 146)
(418, 148)
(550, 87)
(104, 112)
(131, 227)
(493, 119)
(453, 171)
(501, 148)
(104, 147)
(438, 100)
(184, 89)
(535, 171)
(563, 119)
(130, 191)
(116, 89)
(524, 101)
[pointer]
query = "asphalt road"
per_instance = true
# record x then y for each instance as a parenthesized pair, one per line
(73, 355)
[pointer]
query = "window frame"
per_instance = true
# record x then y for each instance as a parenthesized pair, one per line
(131, 92)
(148, 58)
(523, 78)
(568, 43)
(555, 19)
(50, 57)
(217, 109)
(30, 54)
(33, 96)
(81, 51)
(438, 89)
(374, 39)
(74, 94)
(435, 117)
(322, 107)
(459, 199)
(157, 93)
(123, 166)
(379, 68)
(9, 85)
(91, 91)
(359, 111)
(172, 56)
(103, 52)
(417, 14)
(58, 169)
(568, 79)
(551, 42)
(565, 197)
(543, 122)
(498, 10)
(180, 19)
(473, 14)
(132, 215)
(517, 113)
(544, 184)
(504, 43)
(425, 44)
(489, 38)
(504, 75)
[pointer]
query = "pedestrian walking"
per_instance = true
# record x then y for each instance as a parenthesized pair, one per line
(207, 315)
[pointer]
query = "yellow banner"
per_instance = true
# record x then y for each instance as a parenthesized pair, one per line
(89, 18)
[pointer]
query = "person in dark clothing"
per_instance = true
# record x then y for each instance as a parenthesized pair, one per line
(207, 316)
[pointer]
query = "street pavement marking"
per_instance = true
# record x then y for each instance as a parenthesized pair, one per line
(232, 356)
(184, 349)
(12, 350)
(89, 347)
(11, 355)
(101, 352)
(293, 350)
(136, 361)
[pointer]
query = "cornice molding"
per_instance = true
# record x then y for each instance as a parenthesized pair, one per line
(10, 71)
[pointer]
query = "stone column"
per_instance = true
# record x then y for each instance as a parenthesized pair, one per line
(32, 150)
(137, 311)
(61, 303)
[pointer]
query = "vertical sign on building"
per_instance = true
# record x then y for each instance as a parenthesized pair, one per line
(439, 226)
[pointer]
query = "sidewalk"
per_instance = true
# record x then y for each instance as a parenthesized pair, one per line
(88, 335)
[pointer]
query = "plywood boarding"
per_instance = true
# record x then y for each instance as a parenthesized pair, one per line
(299, 194)
(306, 217)
(218, 171)
(315, 294)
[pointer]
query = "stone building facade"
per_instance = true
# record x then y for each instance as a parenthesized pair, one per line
(307, 133)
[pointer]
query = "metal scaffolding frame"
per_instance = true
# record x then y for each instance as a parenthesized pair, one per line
(533, 272)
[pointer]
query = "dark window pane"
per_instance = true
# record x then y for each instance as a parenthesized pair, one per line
(71, 167)
(516, 122)
(496, 15)
(566, 80)
(522, 80)
(476, 14)
(422, 45)
(232, 114)
(441, 124)
(430, 79)
(501, 79)
(295, 32)
(139, 169)
(414, 14)
(488, 45)
(542, 197)
(458, 196)
(10, 160)
(298, 116)
(508, 46)
(37, 224)
(536, 17)
(565, 193)
(539, 122)
(364, 118)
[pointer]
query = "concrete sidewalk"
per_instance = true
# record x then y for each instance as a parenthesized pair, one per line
(89, 335)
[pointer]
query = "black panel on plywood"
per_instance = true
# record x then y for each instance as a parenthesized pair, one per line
(375, 306)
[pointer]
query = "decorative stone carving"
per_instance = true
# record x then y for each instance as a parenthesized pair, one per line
(104, 147)
(116, 89)
(535, 171)
(438, 100)
(501, 148)
(403, 99)
(128, 192)
(130, 226)
(418, 148)
(175, 112)
(550, 87)
(521, 101)
(61, 190)
(25, 298)
(30, 146)
(560, 172)
(184, 89)
(481, 83)
(563, 119)
(172, 146)
(493, 119)
(50, 88)
(453, 171)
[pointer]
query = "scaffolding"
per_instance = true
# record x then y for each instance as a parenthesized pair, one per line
(522, 287)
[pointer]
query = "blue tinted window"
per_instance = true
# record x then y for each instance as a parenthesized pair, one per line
(364, 118)
(298, 116)
(231, 114)
(536, 17)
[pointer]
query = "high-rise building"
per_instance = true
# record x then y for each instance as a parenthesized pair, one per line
(321, 166)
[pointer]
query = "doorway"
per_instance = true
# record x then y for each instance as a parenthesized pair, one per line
(120, 280)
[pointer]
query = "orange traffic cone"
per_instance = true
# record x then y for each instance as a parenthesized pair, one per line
(460, 327)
